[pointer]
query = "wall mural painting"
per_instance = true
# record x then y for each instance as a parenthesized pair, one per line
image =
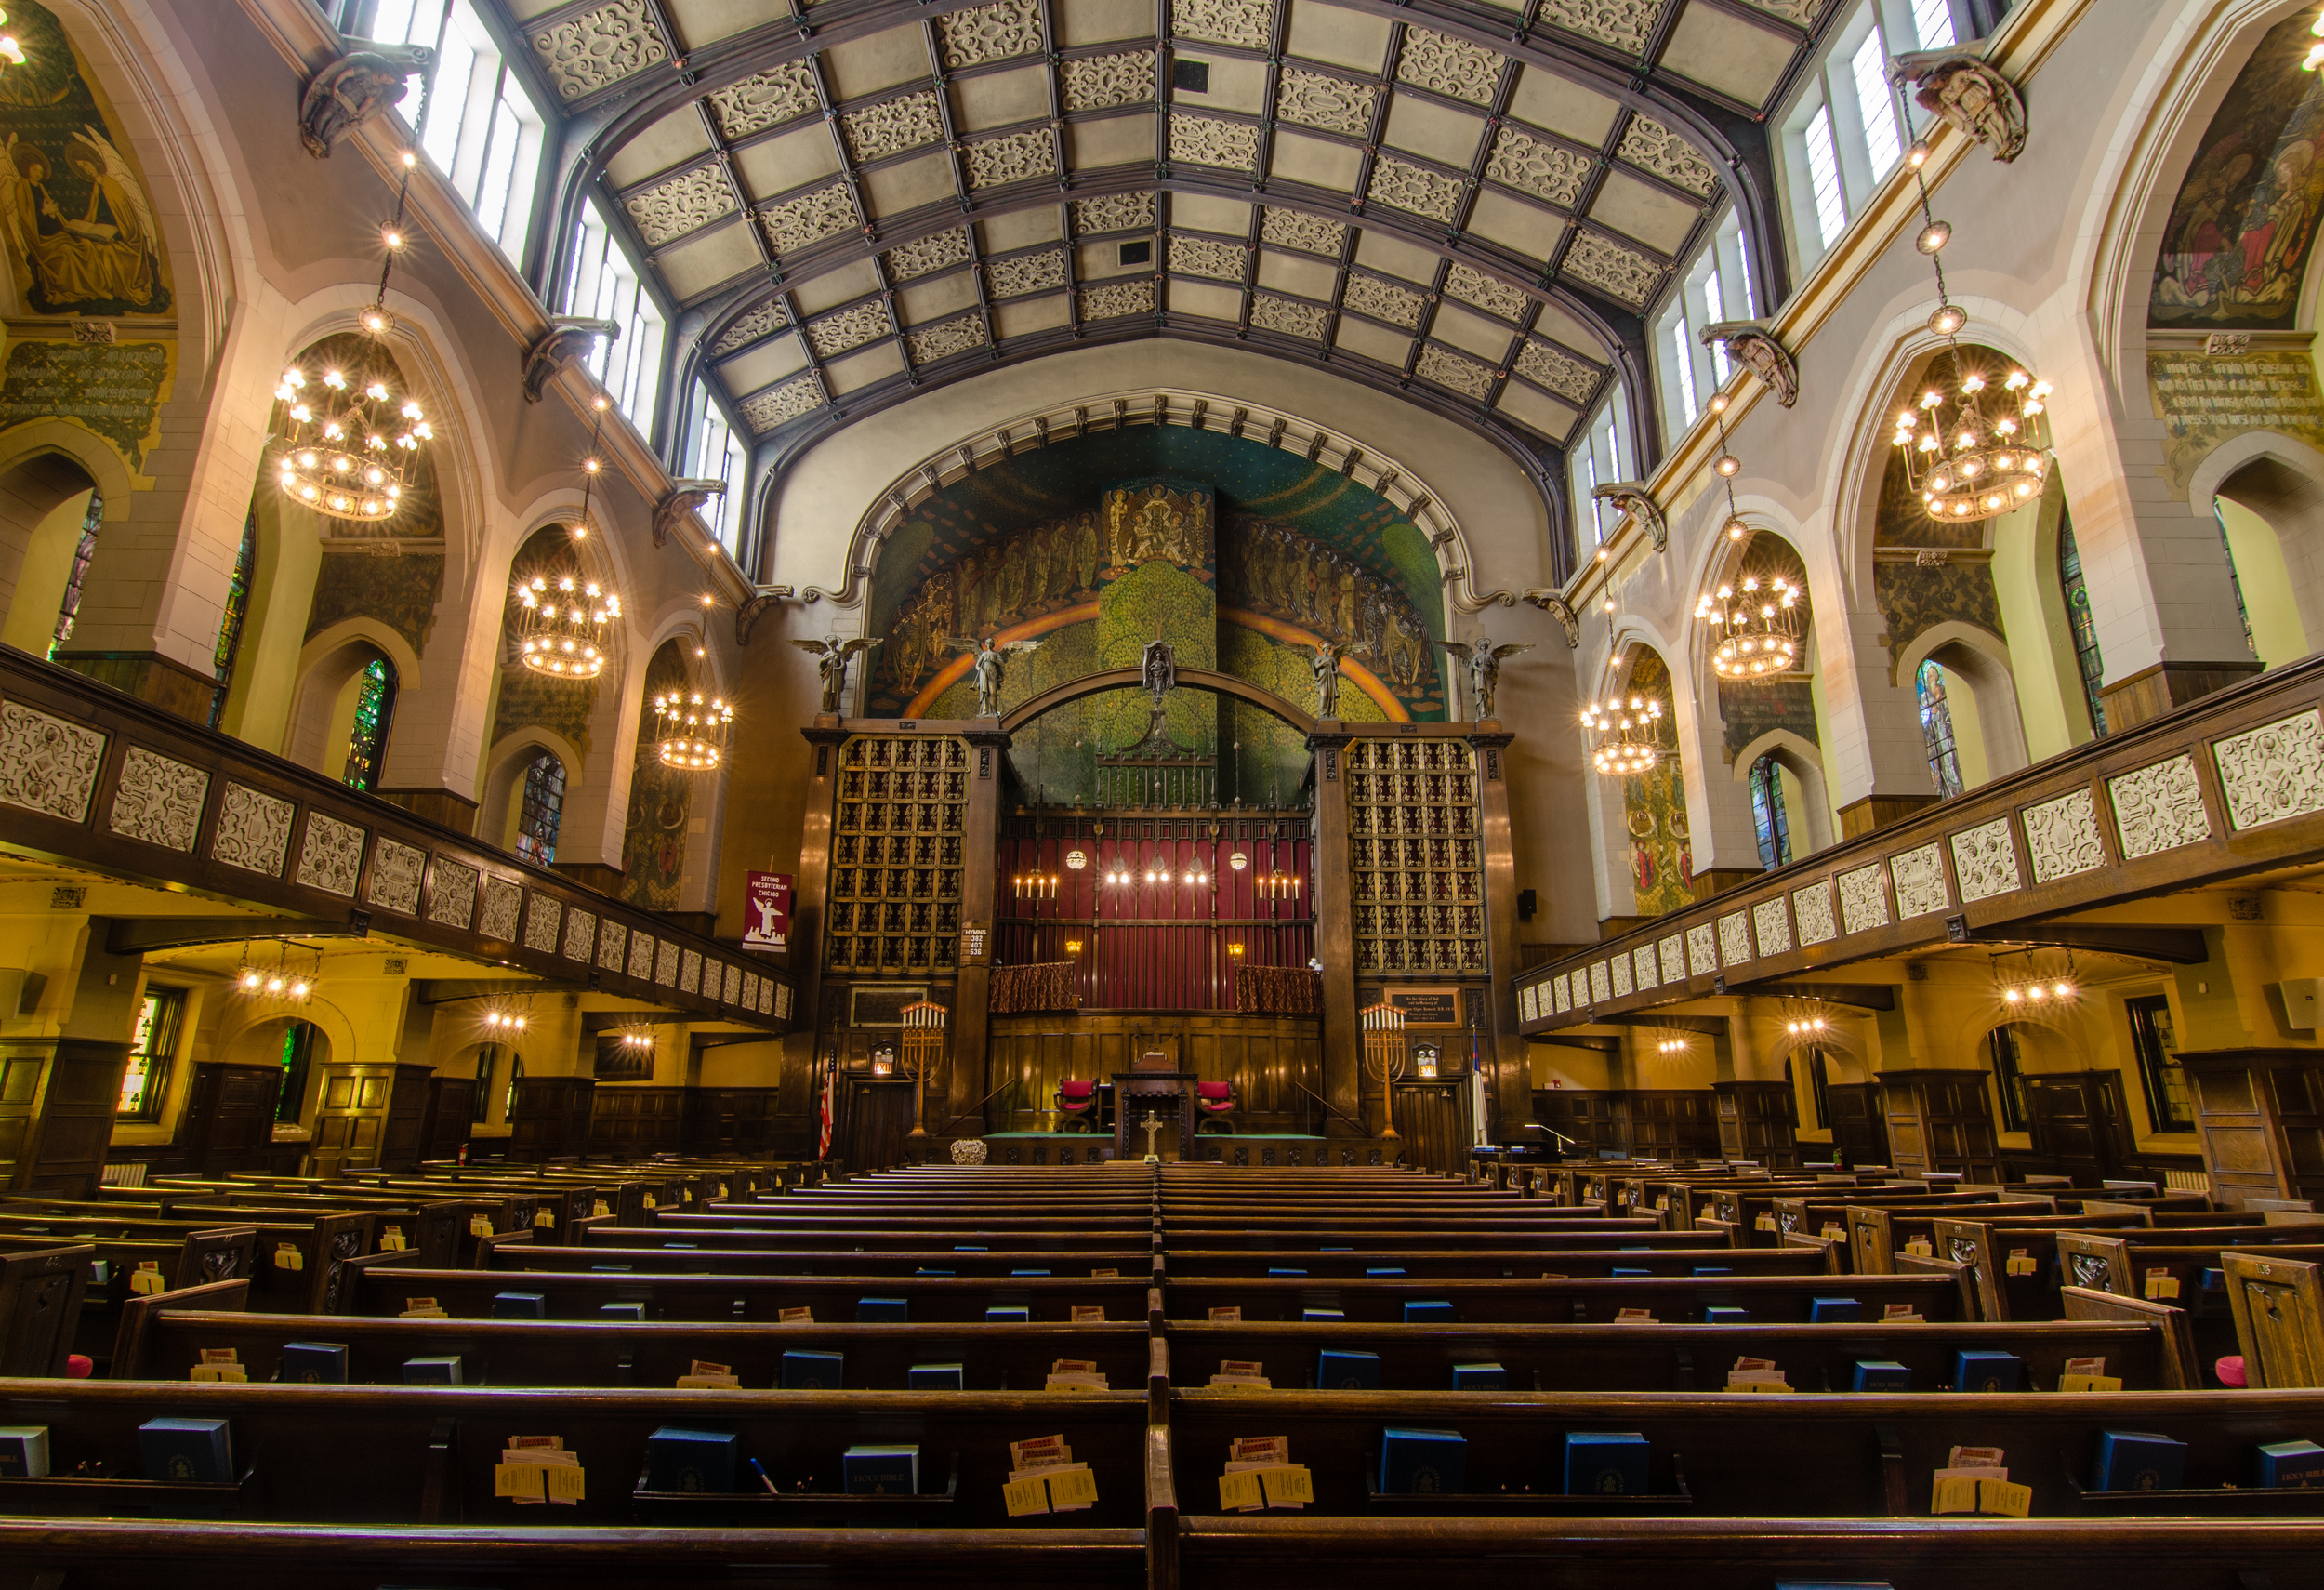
(2238, 241)
(400, 586)
(1654, 810)
(661, 800)
(1159, 556)
(84, 254)
(1747, 711)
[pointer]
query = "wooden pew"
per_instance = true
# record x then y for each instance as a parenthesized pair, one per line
(1989, 1248)
(1267, 1551)
(1762, 1456)
(1667, 1357)
(1358, 1234)
(409, 1454)
(2177, 1256)
(2278, 1305)
(1877, 1233)
(1382, 1299)
(502, 1254)
(535, 1352)
(200, 1257)
(311, 1285)
(532, 1553)
(1764, 1219)
(41, 1290)
(467, 1294)
(1035, 1244)
(1662, 1258)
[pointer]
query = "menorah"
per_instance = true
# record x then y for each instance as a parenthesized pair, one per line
(1384, 1057)
(923, 1055)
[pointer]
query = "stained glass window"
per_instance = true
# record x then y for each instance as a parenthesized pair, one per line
(1767, 813)
(1937, 729)
(147, 1077)
(2158, 1069)
(367, 741)
(2008, 1079)
(2235, 581)
(2085, 628)
(543, 808)
(299, 1048)
(487, 1062)
(70, 608)
(237, 606)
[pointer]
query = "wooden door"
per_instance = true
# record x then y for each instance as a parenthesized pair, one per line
(349, 1112)
(1853, 1114)
(877, 1118)
(2076, 1121)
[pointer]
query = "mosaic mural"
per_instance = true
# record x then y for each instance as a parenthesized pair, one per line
(2238, 240)
(526, 699)
(1653, 811)
(77, 225)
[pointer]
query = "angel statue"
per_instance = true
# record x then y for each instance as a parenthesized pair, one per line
(990, 660)
(831, 657)
(1325, 662)
(106, 256)
(1485, 669)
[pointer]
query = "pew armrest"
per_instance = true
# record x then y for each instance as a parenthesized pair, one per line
(1161, 1511)
(2181, 1369)
(1157, 1379)
(133, 1338)
(1965, 1278)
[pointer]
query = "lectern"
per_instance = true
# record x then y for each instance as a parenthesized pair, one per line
(1152, 1084)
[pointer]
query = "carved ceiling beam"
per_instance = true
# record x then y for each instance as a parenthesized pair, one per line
(566, 340)
(685, 496)
(1752, 343)
(1633, 498)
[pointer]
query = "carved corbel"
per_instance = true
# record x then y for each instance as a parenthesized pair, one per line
(1752, 344)
(566, 339)
(1632, 498)
(355, 87)
(684, 497)
(1553, 603)
(746, 616)
(1957, 86)
(1464, 595)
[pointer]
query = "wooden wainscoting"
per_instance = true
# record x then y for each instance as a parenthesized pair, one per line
(1265, 1058)
(628, 1121)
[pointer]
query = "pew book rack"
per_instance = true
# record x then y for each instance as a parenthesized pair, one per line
(802, 1509)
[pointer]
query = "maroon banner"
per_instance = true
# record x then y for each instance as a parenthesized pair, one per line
(767, 901)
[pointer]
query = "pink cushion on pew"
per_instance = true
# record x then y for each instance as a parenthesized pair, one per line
(2230, 1370)
(76, 1367)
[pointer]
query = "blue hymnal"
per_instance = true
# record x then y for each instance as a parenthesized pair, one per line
(929, 1272)
(197, 1451)
(1028, 1272)
(2292, 1465)
(1984, 1369)
(1479, 1377)
(1000, 1316)
(1880, 1374)
(965, 1248)
(870, 1308)
(315, 1363)
(24, 1451)
(1620, 1270)
(1425, 1462)
(806, 1370)
(2136, 1459)
(1725, 1314)
(2215, 1280)
(933, 1377)
(1383, 1272)
(690, 1460)
(882, 1471)
(520, 1306)
(1343, 1368)
(621, 1311)
(1326, 1315)
(432, 1371)
(1287, 1272)
(1431, 1312)
(1832, 1310)
(1335, 1250)
(1713, 1270)
(1600, 1463)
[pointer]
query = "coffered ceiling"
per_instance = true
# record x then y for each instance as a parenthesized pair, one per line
(1469, 203)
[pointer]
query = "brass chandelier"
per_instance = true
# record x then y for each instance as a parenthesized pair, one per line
(1973, 451)
(353, 442)
(1757, 618)
(562, 620)
(1625, 735)
(691, 731)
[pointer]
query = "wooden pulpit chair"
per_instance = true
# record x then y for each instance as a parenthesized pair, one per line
(1078, 1101)
(1213, 1101)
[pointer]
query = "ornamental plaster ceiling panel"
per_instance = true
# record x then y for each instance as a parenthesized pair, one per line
(791, 189)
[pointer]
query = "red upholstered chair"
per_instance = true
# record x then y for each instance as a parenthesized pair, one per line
(1213, 1101)
(1078, 1101)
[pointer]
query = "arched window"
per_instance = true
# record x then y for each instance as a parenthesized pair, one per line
(2085, 628)
(237, 606)
(541, 809)
(2235, 581)
(367, 741)
(297, 1057)
(1767, 813)
(487, 1062)
(1937, 729)
(70, 609)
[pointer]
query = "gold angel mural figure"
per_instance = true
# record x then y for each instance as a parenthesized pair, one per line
(104, 255)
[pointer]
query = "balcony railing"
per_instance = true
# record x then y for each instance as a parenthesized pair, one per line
(2231, 784)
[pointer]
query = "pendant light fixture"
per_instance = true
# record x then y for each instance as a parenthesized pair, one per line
(562, 615)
